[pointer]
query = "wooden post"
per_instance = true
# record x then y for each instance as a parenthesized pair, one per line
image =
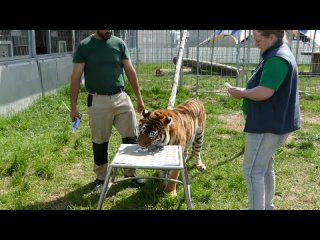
(176, 75)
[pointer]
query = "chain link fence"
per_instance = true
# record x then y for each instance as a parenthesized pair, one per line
(210, 58)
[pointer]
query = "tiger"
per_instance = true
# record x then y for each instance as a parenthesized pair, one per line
(182, 126)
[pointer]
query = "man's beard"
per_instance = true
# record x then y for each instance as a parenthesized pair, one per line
(105, 36)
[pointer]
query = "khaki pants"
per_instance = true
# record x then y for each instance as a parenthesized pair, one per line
(104, 113)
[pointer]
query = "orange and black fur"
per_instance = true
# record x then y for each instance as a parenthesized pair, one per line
(182, 126)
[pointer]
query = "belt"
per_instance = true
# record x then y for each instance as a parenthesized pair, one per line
(107, 93)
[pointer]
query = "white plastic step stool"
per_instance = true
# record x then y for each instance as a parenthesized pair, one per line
(133, 156)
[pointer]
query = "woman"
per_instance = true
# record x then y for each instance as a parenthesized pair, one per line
(271, 108)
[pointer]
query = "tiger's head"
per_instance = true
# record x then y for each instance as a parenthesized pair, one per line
(153, 128)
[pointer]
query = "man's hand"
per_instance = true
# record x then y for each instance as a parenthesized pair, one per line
(74, 113)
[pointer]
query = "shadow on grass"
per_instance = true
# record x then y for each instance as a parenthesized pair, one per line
(83, 198)
(146, 198)
(80, 198)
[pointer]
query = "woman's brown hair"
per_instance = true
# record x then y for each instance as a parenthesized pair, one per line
(266, 33)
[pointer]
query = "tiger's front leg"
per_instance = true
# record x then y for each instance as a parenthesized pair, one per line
(171, 186)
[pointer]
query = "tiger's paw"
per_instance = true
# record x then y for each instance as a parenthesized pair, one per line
(201, 167)
(172, 193)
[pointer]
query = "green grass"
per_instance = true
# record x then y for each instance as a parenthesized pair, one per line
(44, 166)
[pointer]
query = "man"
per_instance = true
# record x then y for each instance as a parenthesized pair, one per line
(102, 58)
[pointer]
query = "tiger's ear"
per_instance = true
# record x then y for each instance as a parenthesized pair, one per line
(168, 121)
(145, 113)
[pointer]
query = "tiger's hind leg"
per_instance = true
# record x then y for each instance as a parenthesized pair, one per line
(196, 149)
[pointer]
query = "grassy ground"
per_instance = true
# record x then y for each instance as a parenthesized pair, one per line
(44, 166)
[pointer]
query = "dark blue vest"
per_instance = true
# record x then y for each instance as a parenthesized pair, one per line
(279, 114)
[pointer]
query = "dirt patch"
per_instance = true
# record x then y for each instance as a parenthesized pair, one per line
(300, 191)
(5, 184)
(310, 117)
(236, 121)
(225, 136)
(57, 202)
(76, 171)
(290, 138)
(233, 121)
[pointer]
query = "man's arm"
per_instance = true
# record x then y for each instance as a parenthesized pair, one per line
(74, 88)
(133, 80)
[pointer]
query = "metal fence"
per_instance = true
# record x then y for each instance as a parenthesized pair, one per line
(153, 51)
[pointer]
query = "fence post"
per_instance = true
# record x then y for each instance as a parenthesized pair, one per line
(297, 46)
(32, 43)
(312, 51)
(212, 50)
(198, 57)
(137, 52)
(49, 41)
(237, 60)
(73, 41)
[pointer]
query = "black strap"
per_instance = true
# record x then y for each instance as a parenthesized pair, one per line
(107, 93)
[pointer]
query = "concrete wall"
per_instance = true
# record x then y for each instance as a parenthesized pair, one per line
(23, 82)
